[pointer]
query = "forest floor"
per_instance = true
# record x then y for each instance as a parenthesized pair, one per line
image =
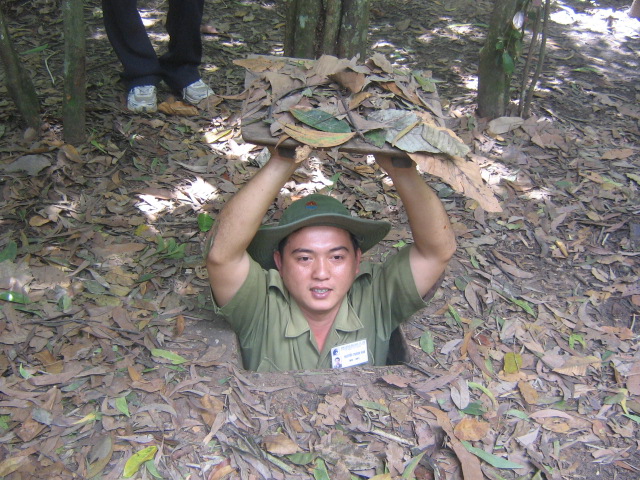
(525, 365)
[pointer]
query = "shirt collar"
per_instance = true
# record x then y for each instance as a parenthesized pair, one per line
(346, 320)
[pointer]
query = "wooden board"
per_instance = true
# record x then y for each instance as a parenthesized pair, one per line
(255, 130)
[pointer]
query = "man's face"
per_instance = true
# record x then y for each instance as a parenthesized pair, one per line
(318, 266)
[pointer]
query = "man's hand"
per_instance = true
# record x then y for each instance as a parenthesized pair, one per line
(299, 155)
(391, 164)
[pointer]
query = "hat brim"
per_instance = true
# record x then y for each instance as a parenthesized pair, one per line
(266, 240)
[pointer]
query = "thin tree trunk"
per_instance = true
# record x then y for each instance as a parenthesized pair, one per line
(333, 15)
(73, 104)
(334, 27)
(301, 32)
(493, 82)
(355, 26)
(19, 84)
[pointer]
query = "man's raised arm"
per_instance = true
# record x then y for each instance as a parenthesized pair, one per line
(237, 224)
(434, 240)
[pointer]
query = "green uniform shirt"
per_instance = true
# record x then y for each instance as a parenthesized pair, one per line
(275, 336)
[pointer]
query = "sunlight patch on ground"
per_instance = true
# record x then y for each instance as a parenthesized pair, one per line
(604, 28)
(497, 174)
(148, 18)
(193, 194)
(470, 82)
(200, 191)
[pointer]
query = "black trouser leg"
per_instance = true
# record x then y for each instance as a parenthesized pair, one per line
(130, 42)
(180, 64)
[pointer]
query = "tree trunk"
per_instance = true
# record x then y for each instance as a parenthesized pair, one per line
(333, 27)
(73, 104)
(634, 11)
(493, 81)
(19, 84)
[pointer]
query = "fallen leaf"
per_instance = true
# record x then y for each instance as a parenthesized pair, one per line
(176, 107)
(471, 429)
(501, 125)
(280, 444)
(470, 464)
(529, 394)
(396, 380)
(32, 165)
(11, 464)
(137, 459)
(577, 366)
(512, 363)
(463, 175)
(617, 154)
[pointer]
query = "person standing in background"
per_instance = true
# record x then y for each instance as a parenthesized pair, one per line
(142, 68)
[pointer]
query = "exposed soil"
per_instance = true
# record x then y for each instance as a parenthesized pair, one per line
(100, 230)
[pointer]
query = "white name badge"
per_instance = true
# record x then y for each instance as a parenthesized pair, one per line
(349, 354)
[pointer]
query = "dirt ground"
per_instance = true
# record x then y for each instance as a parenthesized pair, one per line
(525, 365)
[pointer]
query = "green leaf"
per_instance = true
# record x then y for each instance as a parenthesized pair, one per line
(576, 337)
(614, 399)
(65, 303)
(400, 244)
(122, 406)
(512, 362)
(317, 138)
(24, 373)
(376, 137)
(517, 414)
(426, 342)
(474, 408)
(137, 459)
(146, 277)
(635, 418)
(507, 63)
(151, 468)
(320, 472)
(320, 120)
(9, 252)
(524, 305)
(99, 146)
(586, 69)
(301, 458)
(205, 222)
(35, 50)
(4, 422)
(484, 390)
(461, 283)
(411, 466)
(14, 297)
(372, 406)
(493, 460)
(174, 357)
(176, 252)
(454, 313)
(426, 83)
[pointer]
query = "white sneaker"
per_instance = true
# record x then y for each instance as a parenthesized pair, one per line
(196, 92)
(142, 99)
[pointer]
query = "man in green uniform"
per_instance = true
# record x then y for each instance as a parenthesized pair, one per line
(296, 293)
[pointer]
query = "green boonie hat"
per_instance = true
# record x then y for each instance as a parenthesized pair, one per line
(314, 210)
